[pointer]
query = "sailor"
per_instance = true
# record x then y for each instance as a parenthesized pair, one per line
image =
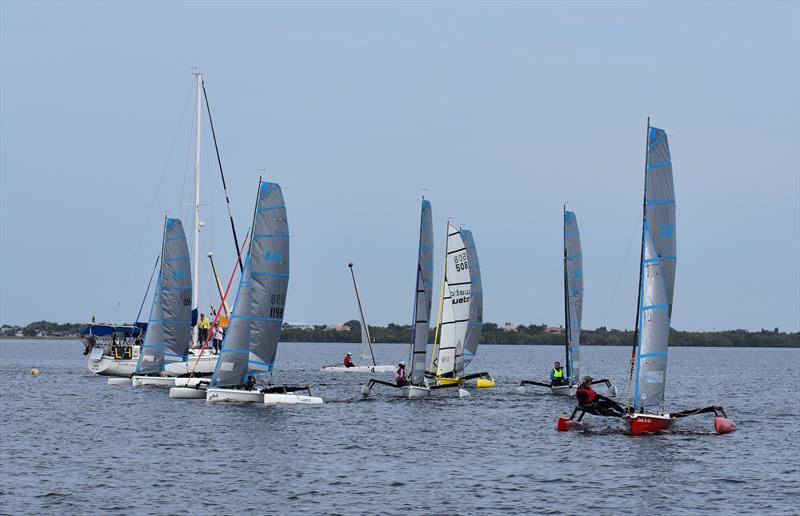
(250, 384)
(594, 403)
(217, 338)
(348, 360)
(202, 329)
(401, 374)
(557, 376)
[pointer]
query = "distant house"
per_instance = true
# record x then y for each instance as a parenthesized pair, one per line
(510, 327)
(298, 326)
(553, 329)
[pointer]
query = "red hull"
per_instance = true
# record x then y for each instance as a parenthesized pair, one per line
(565, 423)
(648, 424)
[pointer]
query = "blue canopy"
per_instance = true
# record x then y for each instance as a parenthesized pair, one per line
(101, 330)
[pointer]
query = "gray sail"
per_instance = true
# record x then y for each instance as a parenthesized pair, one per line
(423, 295)
(169, 329)
(573, 270)
(475, 322)
(657, 273)
(251, 341)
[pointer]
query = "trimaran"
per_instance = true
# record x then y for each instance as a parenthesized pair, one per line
(367, 353)
(573, 312)
(644, 410)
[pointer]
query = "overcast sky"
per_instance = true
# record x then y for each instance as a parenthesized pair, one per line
(502, 111)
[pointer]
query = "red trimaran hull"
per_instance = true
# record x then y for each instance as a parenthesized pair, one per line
(648, 424)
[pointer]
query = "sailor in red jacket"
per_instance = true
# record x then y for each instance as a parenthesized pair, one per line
(594, 403)
(401, 378)
(348, 360)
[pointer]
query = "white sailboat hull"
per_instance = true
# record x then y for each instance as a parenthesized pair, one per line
(359, 369)
(107, 365)
(204, 366)
(563, 390)
(110, 366)
(216, 394)
(187, 393)
(155, 381)
(191, 382)
(415, 392)
(291, 399)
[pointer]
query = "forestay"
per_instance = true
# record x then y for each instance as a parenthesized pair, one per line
(251, 341)
(168, 333)
(475, 322)
(423, 296)
(573, 290)
(657, 273)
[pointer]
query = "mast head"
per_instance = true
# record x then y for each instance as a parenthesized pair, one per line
(210, 254)
(350, 265)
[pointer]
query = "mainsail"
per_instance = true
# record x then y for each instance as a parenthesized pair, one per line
(169, 329)
(657, 273)
(366, 340)
(251, 341)
(455, 305)
(475, 323)
(573, 294)
(423, 296)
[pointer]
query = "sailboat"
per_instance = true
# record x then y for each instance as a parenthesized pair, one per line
(251, 342)
(169, 330)
(573, 312)
(367, 353)
(417, 386)
(644, 410)
(460, 317)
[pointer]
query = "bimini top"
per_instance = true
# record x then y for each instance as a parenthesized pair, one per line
(102, 330)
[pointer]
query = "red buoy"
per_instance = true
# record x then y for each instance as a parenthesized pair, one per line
(724, 425)
(565, 423)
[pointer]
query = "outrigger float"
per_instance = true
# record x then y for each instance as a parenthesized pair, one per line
(648, 367)
(573, 313)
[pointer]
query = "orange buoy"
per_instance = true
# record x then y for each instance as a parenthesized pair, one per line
(724, 425)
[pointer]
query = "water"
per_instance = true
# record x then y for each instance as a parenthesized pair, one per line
(72, 444)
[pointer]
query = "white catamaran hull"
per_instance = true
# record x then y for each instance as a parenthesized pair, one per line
(191, 382)
(215, 394)
(563, 390)
(204, 366)
(155, 381)
(359, 369)
(291, 399)
(187, 393)
(415, 392)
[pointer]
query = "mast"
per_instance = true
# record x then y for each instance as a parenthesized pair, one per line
(637, 330)
(567, 350)
(197, 223)
(365, 328)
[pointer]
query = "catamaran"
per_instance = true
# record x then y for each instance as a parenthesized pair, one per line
(460, 318)
(251, 342)
(417, 386)
(573, 312)
(644, 410)
(169, 328)
(367, 353)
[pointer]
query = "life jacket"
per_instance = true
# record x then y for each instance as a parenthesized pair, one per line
(401, 373)
(558, 373)
(347, 360)
(591, 396)
(203, 324)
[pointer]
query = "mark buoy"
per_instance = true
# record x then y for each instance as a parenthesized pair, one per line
(34, 371)
(565, 423)
(724, 425)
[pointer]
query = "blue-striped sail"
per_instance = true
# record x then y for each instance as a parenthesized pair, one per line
(423, 296)
(475, 318)
(573, 292)
(251, 341)
(657, 274)
(169, 330)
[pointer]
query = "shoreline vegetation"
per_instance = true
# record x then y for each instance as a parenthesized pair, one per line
(533, 334)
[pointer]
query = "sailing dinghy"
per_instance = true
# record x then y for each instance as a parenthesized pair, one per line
(367, 353)
(460, 314)
(169, 329)
(417, 386)
(573, 312)
(644, 413)
(251, 342)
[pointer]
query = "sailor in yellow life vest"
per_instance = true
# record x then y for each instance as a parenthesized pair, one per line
(202, 329)
(557, 375)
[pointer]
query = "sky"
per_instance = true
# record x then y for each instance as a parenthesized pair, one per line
(497, 112)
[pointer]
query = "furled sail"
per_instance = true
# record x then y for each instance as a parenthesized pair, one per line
(251, 341)
(423, 295)
(573, 292)
(455, 308)
(475, 322)
(169, 330)
(657, 273)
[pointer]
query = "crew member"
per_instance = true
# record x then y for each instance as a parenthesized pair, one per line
(593, 403)
(557, 376)
(401, 374)
(202, 329)
(348, 360)
(217, 338)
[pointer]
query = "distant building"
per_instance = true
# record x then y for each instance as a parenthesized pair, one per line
(510, 327)
(553, 329)
(298, 326)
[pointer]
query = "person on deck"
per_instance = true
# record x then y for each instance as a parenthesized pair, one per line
(593, 403)
(202, 329)
(348, 360)
(401, 374)
(557, 376)
(218, 338)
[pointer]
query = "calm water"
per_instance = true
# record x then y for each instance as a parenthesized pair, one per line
(72, 444)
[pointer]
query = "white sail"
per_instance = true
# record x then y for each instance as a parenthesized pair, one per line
(455, 306)
(446, 354)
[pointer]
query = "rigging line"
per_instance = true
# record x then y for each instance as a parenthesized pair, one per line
(147, 291)
(222, 174)
(621, 271)
(550, 296)
(150, 209)
(400, 300)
